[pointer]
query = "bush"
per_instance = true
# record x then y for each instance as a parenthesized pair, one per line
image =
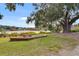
(74, 30)
(3, 34)
(28, 33)
(44, 32)
(13, 34)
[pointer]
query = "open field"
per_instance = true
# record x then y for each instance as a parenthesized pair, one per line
(75, 29)
(49, 45)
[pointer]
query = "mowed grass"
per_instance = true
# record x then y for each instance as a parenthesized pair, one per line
(75, 29)
(43, 46)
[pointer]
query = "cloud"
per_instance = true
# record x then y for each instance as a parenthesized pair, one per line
(23, 18)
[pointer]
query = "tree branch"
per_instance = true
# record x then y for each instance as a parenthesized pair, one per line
(74, 19)
(61, 22)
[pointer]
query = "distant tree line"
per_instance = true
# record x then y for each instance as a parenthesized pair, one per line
(11, 28)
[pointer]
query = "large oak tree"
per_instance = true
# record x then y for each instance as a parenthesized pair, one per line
(63, 13)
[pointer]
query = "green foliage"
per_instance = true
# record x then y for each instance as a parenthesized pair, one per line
(50, 27)
(42, 32)
(22, 34)
(13, 34)
(3, 33)
(75, 30)
(29, 33)
(12, 6)
(48, 14)
(26, 33)
(1, 16)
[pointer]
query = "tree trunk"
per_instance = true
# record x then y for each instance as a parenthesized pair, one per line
(67, 28)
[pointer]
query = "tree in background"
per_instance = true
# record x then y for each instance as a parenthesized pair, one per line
(64, 14)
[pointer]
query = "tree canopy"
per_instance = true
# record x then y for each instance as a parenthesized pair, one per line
(64, 14)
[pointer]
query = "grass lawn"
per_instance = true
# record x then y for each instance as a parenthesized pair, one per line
(75, 29)
(42, 46)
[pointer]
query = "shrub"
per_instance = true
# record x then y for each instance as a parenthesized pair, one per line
(44, 32)
(74, 30)
(3, 34)
(13, 34)
(28, 33)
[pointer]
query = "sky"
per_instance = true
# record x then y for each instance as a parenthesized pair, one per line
(17, 17)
